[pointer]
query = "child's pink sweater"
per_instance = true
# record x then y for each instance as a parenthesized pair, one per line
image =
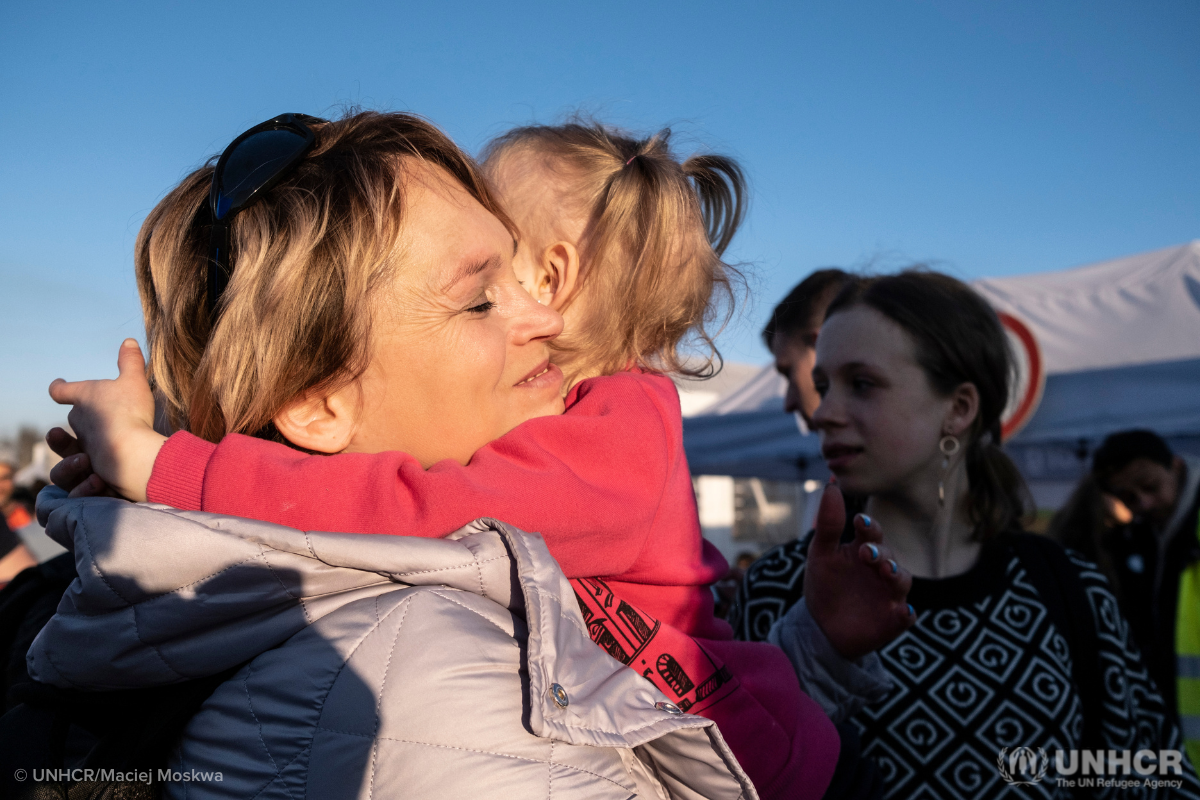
(607, 485)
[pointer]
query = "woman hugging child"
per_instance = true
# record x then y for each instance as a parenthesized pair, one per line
(625, 241)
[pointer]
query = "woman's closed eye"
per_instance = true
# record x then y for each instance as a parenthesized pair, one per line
(482, 308)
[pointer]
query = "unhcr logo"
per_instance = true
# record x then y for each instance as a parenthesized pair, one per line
(1023, 766)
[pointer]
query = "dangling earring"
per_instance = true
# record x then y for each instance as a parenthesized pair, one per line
(949, 446)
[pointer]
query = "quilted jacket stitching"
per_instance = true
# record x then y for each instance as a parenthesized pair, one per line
(320, 703)
(480, 752)
(550, 598)
(382, 691)
(258, 722)
(75, 613)
(472, 610)
(303, 606)
(49, 654)
(475, 563)
(178, 588)
(137, 628)
(91, 556)
(279, 776)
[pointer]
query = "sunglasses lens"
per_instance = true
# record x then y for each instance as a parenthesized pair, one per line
(253, 163)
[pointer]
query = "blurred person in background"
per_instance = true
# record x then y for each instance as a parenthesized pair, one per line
(16, 513)
(1085, 521)
(725, 590)
(791, 336)
(1156, 557)
(14, 556)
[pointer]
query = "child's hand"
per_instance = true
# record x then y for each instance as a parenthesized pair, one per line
(856, 592)
(114, 421)
(74, 472)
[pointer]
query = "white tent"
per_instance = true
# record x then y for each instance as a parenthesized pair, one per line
(1100, 348)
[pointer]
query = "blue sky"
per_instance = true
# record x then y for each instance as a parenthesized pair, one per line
(992, 138)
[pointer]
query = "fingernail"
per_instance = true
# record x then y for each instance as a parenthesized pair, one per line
(874, 551)
(866, 520)
(911, 612)
(894, 567)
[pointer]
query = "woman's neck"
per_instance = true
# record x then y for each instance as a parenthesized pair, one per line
(930, 538)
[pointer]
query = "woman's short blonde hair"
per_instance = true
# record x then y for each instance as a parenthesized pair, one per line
(650, 255)
(308, 257)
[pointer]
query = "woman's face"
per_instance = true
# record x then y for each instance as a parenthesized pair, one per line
(460, 351)
(879, 418)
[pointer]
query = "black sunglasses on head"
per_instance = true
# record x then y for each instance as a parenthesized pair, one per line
(252, 164)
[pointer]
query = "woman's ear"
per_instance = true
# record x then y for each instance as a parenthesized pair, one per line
(557, 278)
(964, 408)
(324, 423)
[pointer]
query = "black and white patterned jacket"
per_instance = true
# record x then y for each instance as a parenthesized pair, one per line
(985, 671)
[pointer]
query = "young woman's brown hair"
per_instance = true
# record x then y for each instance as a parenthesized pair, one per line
(297, 312)
(958, 339)
(655, 230)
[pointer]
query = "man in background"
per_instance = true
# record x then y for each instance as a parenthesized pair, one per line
(1156, 557)
(791, 336)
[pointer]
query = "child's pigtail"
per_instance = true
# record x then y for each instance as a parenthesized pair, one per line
(721, 189)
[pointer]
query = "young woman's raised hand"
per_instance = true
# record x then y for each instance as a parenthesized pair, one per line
(114, 423)
(856, 592)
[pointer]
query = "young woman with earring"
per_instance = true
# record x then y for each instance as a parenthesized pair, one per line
(1018, 644)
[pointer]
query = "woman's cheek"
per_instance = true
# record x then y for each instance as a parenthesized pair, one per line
(888, 441)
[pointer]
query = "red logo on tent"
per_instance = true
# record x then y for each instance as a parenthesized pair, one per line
(1030, 379)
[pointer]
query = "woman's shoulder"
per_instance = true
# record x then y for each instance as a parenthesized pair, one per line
(1069, 562)
(1070, 584)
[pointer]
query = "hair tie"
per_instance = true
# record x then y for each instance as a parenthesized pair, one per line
(630, 161)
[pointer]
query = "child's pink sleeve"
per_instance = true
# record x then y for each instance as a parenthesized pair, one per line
(590, 481)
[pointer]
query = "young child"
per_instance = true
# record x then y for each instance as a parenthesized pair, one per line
(625, 241)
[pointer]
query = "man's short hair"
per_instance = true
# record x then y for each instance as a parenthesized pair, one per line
(804, 307)
(1121, 449)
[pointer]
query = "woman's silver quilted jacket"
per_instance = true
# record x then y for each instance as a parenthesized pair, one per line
(378, 666)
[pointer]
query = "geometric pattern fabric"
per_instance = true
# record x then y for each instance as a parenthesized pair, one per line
(984, 668)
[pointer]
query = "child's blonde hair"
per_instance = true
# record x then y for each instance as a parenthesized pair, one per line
(650, 255)
(306, 260)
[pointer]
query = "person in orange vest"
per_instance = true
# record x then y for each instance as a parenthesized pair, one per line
(14, 556)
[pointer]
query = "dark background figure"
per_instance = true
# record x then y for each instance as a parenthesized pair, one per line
(1151, 551)
(791, 336)
(1085, 521)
